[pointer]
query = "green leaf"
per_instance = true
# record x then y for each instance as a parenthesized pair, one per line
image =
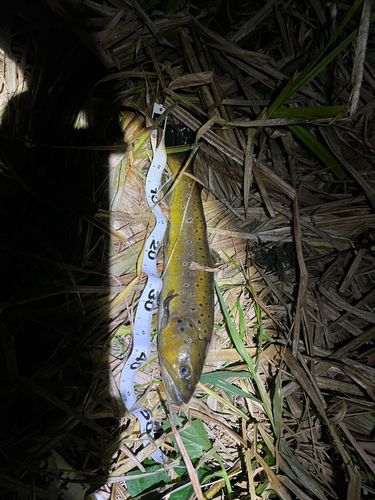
(139, 485)
(204, 476)
(194, 437)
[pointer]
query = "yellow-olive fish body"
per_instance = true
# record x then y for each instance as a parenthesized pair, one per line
(186, 304)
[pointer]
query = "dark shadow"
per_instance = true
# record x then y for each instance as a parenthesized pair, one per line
(52, 184)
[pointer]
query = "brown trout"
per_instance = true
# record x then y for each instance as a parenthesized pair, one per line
(186, 304)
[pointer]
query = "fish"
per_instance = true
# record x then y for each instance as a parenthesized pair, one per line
(186, 303)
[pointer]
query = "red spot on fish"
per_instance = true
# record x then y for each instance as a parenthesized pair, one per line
(190, 253)
(186, 284)
(188, 196)
(182, 206)
(184, 263)
(192, 295)
(192, 309)
(191, 274)
(189, 220)
(181, 274)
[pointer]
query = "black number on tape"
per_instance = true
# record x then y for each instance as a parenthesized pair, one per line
(153, 248)
(138, 361)
(147, 416)
(154, 197)
(149, 304)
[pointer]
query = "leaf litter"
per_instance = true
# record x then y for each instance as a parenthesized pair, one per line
(281, 97)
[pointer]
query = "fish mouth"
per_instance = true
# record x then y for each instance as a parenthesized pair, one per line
(176, 396)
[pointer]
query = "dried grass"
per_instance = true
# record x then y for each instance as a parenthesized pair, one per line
(289, 208)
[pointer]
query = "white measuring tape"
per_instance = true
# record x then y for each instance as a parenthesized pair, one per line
(142, 325)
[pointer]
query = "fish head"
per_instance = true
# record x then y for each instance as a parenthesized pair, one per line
(182, 352)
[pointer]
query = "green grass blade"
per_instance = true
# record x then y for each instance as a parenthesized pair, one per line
(299, 81)
(318, 149)
(217, 379)
(214, 377)
(241, 320)
(242, 351)
(225, 476)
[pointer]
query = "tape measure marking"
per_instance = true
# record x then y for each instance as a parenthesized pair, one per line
(142, 325)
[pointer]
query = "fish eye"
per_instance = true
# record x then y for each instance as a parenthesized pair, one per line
(185, 371)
